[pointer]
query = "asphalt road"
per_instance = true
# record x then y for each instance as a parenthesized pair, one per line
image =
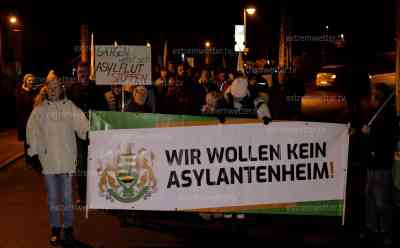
(323, 105)
(24, 224)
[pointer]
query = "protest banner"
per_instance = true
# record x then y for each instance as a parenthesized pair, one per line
(192, 163)
(116, 65)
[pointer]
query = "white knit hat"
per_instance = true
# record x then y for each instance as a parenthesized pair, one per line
(239, 87)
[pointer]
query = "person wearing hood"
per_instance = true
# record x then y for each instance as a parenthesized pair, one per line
(51, 138)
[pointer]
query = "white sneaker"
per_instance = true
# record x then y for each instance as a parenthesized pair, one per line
(217, 216)
(240, 216)
(228, 216)
(205, 216)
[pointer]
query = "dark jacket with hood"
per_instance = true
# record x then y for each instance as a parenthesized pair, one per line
(25, 100)
(381, 142)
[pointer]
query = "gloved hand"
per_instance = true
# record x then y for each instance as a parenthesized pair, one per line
(87, 138)
(221, 119)
(267, 120)
(34, 162)
(32, 159)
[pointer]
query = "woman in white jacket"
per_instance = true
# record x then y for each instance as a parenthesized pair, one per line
(51, 132)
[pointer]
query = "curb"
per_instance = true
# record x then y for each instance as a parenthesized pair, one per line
(8, 161)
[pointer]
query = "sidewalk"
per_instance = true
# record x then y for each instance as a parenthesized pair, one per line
(10, 147)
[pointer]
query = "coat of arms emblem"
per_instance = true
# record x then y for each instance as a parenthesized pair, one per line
(129, 177)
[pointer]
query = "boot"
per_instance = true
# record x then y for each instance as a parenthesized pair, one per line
(55, 236)
(69, 236)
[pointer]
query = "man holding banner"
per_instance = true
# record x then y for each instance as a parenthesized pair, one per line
(381, 135)
(85, 95)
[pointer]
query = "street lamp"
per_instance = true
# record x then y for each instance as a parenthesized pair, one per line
(249, 11)
(207, 44)
(13, 24)
(148, 44)
(13, 20)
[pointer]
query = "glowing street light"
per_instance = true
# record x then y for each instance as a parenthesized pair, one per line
(148, 44)
(251, 11)
(13, 19)
(207, 56)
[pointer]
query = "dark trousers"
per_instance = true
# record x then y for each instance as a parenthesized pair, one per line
(81, 168)
(25, 151)
(378, 202)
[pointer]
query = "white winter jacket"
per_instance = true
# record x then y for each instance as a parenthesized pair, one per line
(51, 135)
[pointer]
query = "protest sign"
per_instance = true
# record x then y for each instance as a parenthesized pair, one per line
(137, 162)
(123, 65)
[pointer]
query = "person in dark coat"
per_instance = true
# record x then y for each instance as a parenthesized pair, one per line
(25, 99)
(181, 95)
(381, 136)
(84, 93)
(161, 86)
(204, 86)
(86, 96)
(294, 90)
(138, 102)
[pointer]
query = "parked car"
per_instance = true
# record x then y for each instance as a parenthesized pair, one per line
(387, 78)
(330, 76)
(383, 70)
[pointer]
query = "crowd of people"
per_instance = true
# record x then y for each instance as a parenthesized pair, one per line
(53, 118)
(180, 90)
(177, 90)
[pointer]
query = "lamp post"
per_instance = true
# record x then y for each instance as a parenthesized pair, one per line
(207, 45)
(246, 11)
(324, 45)
(240, 63)
(13, 21)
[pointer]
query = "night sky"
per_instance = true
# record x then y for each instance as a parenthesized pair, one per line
(52, 30)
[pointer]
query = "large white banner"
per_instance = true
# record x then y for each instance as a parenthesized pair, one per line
(123, 65)
(185, 168)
